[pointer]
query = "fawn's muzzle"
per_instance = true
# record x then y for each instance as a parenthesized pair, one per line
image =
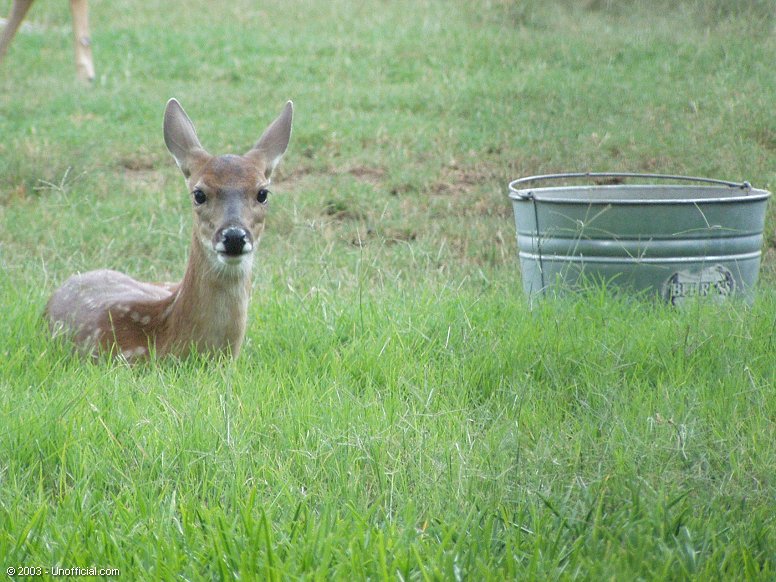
(234, 241)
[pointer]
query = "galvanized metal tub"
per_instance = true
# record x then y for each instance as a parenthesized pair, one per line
(694, 237)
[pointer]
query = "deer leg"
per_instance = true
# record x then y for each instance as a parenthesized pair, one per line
(83, 44)
(19, 10)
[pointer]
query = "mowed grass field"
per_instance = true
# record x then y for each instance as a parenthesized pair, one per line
(399, 410)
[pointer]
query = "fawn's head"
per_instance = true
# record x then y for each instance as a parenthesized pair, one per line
(229, 193)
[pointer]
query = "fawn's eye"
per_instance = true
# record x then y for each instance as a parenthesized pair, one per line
(199, 197)
(262, 195)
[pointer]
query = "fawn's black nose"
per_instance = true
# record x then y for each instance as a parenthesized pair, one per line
(236, 241)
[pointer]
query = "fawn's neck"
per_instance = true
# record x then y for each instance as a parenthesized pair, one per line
(209, 307)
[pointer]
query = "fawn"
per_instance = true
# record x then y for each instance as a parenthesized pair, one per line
(107, 311)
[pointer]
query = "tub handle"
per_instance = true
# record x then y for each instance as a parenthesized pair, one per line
(527, 194)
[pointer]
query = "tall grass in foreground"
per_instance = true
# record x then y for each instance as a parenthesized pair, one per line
(441, 434)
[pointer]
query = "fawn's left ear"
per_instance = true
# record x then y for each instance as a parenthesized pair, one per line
(272, 144)
(180, 137)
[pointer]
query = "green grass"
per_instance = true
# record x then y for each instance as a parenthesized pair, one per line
(399, 409)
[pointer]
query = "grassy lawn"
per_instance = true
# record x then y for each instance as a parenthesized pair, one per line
(399, 409)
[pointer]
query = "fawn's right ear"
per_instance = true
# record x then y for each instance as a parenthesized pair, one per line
(180, 137)
(273, 142)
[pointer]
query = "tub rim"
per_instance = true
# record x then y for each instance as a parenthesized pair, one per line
(554, 194)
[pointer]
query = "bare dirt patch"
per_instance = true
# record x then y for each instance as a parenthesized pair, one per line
(142, 172)
(293, 178)
(457, 178)
(367, 174)
(138, 163)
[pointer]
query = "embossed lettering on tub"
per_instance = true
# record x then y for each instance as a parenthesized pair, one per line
(716, 281)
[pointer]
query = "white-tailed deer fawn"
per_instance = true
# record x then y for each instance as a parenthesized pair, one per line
(83, 44)
(107, 311)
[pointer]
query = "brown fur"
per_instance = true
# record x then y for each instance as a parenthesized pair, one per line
(107, 311)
